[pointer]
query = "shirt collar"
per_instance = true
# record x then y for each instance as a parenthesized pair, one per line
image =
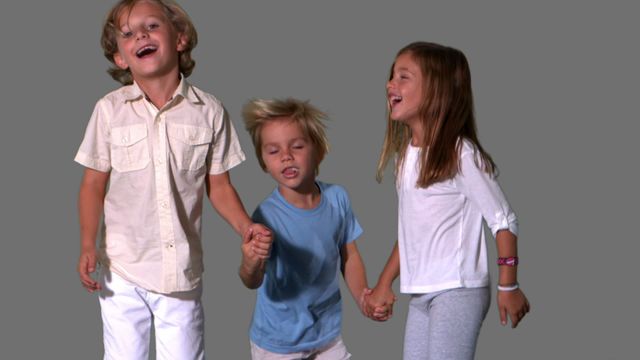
(184, 90)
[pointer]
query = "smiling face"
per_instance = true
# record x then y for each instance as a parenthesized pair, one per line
(148, 44)
(289, 156)
(404, 90)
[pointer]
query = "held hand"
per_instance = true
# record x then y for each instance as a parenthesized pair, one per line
(86, 266)
(250, 259)
(261, 240)
(362, 301)
(513, 304)
(379, 303)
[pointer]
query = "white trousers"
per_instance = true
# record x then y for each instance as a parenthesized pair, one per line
(128, 312)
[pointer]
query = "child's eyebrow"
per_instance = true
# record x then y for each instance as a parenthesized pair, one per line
(147, 18)
(289, 141)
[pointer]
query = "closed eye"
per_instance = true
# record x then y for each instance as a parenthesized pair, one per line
(153, 26)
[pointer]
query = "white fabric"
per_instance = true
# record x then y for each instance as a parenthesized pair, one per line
(158, 161)
(127, 313)
(440, 229)
(335, 350)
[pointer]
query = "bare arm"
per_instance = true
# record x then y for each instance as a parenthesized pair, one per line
(354, 273)
(253, 265)
(382, 295)
(225, 200)
(256, 238)
(90, 205)
(511, 303)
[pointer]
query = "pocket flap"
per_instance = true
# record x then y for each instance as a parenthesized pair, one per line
(128, 135)
(191, 135)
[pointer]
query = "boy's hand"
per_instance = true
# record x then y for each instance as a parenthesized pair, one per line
(362, 303)
(256, 244)
(513, 304)
(256, 247)
(86, 266)
(379, 304)
(261, 240)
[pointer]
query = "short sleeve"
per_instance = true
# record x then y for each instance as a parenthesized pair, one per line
(352, 229)
(225, 151)
(94, 151)
(485, 193)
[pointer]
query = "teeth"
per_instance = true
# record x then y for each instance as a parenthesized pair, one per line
(145, 50)
(394, 99)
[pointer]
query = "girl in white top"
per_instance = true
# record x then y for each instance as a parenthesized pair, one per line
(446, 186)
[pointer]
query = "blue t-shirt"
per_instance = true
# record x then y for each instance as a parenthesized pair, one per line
(298, 305)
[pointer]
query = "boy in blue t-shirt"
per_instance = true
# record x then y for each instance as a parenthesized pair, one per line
(298, 308)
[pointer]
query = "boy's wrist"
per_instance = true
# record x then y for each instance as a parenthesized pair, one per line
(87, 246)
(250, 266)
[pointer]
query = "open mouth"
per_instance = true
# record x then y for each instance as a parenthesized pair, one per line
(394, 100)
(290, 172)
(146, 51)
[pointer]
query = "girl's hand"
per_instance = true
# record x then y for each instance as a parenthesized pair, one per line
(379, 303)
(513, 304)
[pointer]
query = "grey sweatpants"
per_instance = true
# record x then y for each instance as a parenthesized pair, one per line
(445, 324)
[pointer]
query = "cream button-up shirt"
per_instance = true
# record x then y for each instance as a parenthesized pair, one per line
(158, 160)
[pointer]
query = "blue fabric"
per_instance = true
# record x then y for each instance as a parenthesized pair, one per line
(298, 305)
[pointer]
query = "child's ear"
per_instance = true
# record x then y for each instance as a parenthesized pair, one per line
(117, 58)
(183, 40)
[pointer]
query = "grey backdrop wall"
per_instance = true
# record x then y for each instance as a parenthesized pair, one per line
(556, 90)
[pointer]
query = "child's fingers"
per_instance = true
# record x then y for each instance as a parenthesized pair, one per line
(260, 229)
(503, 316)
(246, 237)
(261, 253)
(86, 266)
(515, 318)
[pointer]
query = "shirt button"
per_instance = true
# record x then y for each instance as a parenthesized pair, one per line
(164, 204)
(124, 140)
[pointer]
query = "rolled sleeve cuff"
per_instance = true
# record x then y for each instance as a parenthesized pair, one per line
(226, 164)
(505, 222)
(91, 162)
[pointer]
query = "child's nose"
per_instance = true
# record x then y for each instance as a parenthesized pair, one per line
(142, 34)
(390, 84)
(286, 155)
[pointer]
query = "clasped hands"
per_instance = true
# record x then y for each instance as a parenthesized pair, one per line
(377, 303)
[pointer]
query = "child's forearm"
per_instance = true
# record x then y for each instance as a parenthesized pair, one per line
(90, 206)
(225, 200)
(391, 270)
(507, 245)
(353, 271)
(252, 275)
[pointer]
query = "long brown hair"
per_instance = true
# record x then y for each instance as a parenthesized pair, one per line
(447, 116)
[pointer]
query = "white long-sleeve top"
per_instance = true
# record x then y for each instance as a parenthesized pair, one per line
(440, 229)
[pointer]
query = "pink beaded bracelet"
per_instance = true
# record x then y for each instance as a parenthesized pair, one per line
(508, 261)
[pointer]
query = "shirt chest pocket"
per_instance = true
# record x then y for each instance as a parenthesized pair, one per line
(129, 148)
(189, 145)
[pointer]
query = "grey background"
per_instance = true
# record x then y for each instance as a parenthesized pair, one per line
(556, 90)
